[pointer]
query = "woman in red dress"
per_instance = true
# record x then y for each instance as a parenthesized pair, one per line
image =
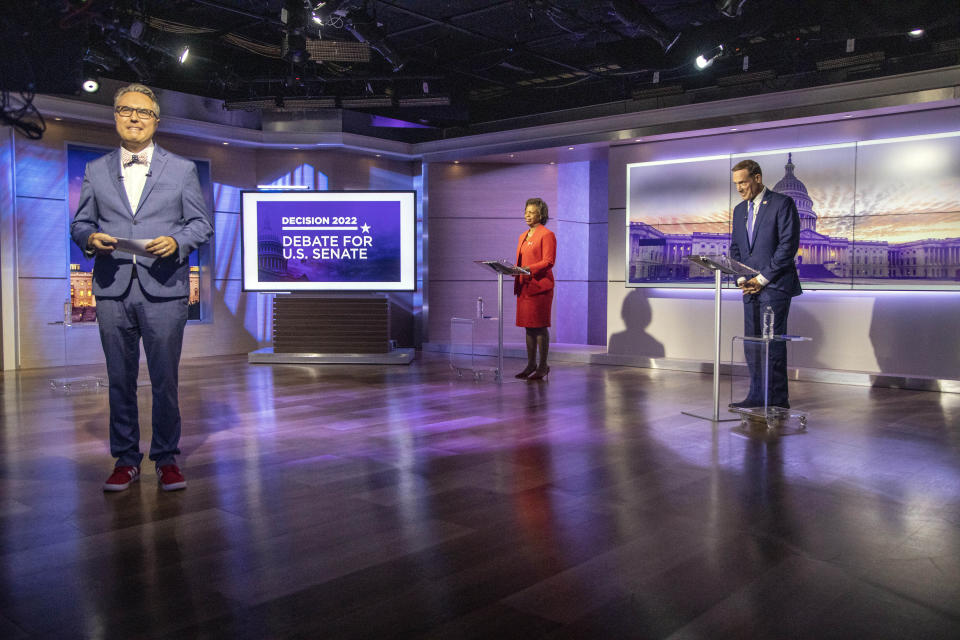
(536, 251)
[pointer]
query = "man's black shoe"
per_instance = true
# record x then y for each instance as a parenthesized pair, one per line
(745, 404)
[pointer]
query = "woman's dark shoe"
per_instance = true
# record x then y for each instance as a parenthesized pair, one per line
(523, 374)
(540, 374)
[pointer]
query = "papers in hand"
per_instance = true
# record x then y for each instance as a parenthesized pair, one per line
(137, 247)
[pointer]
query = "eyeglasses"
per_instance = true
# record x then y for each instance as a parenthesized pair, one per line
(126, 112)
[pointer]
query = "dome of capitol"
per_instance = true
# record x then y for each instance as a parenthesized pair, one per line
(790, 185)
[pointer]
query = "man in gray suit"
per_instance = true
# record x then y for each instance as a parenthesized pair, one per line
(141, 192)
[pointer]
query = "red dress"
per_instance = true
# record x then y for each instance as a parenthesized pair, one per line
(535, 292)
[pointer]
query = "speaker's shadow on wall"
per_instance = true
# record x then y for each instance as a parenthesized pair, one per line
(910, 338)
(804, 321)
(634, 340)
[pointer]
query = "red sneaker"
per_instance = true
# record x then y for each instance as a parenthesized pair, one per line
(121, 478)
(170, 478)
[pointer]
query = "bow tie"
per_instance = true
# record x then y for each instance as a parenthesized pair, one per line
(134, 159)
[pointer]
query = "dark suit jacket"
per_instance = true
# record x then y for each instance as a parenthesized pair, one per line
(172, 205)
(776, 239)
(544, 251)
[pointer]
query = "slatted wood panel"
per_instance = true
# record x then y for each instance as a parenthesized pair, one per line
(331, 325)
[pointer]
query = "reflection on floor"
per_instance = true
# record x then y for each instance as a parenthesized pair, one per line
(396, 501)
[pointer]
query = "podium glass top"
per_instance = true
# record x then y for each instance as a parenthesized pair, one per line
(503, 266)
(723, 264)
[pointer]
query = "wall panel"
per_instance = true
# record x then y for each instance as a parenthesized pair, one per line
(41, 243)
(41, 305)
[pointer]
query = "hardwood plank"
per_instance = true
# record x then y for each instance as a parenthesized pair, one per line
(380, 502)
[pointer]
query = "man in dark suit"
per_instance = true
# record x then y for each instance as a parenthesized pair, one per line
(765, 236)
(145, 193)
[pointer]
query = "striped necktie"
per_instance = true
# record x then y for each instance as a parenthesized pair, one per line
(750, 222)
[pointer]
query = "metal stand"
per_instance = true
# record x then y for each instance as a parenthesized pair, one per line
(499, 326)
(719, 265)
(501, 268)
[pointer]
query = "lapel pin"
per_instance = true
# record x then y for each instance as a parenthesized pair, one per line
(764, 202)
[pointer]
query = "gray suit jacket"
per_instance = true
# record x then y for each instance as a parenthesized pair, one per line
(172, 205)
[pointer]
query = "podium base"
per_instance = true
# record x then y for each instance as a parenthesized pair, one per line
(772, 422)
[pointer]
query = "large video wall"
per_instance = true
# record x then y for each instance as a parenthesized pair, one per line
(875, 214)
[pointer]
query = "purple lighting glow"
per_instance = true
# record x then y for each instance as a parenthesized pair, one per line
(393, 123)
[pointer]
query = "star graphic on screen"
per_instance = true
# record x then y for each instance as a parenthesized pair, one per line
(365, 228)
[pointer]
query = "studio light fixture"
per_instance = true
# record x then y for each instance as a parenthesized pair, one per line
(916, 34)
(705, 60)
(257, 104)
(870, 60)
(308, 104)
(90, 85)
(368, 101)
(338, 51)
(184, 54)
(424, 101)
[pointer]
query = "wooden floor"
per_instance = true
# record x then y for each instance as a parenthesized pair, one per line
(401, 502)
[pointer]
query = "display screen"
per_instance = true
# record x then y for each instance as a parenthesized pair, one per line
(329, 240)
(874, 214)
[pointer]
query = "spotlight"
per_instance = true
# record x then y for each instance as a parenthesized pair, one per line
(317, 19)
(704, 61)
(184, 55)
(90, 85)
(916, 34)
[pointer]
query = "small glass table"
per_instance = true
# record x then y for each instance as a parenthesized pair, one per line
(769, 419)
(463, 350)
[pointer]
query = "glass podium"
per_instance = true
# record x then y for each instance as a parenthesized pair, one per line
(502, 268)
(720, 265)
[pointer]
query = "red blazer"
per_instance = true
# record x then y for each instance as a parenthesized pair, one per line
(544, 252)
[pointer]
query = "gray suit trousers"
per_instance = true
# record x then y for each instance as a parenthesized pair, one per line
(159, 322)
